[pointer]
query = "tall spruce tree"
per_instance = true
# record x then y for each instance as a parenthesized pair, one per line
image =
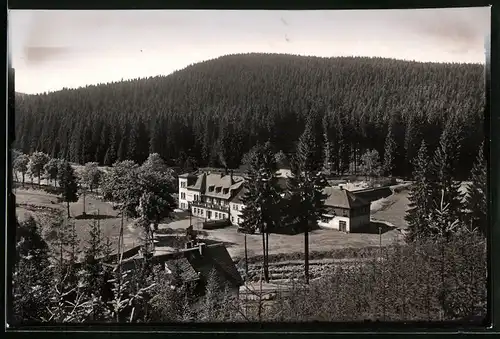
(444, 167)
(476, 199)
(328, 147)
(306, 187)
(420, 196)
(389, 151)
(263, 197)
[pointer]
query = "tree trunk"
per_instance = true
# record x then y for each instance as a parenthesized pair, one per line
(267, 255)
(306, 253)
(246, 256)
(83, 212)
(67, 206)
(264, 261)
(39, 185)
(24, 175)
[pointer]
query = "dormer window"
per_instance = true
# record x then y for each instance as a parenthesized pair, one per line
(218, 189)
(226, 190)
(211, 188)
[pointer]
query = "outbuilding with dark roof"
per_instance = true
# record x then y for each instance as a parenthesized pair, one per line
(346, 211)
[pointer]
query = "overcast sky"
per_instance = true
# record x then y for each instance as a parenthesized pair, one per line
(55, 49)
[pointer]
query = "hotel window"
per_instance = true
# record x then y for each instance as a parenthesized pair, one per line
(216, 215)
(232, 219)
(183, 184)
(235, 207)
(183, 195)
(201, 212)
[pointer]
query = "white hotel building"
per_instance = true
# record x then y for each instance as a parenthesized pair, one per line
(216, 195)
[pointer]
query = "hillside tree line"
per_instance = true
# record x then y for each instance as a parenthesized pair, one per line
(213, 112)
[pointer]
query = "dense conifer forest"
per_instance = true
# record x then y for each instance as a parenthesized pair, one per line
(213, 112)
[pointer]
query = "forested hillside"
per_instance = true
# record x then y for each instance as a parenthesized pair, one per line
(213, 112)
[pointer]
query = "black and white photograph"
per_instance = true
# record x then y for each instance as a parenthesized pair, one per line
(249, 166)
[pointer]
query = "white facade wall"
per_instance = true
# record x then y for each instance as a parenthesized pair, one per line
(334, 223)
(203, 213)
(183, 193)
(235, 211)
(352, 224)
(192, 196)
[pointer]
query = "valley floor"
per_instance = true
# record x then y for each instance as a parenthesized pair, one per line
(389, 210)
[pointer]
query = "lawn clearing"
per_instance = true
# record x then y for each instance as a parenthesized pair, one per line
(391, 209)
(36, 203)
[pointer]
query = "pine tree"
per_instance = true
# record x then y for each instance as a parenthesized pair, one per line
(262, 197)
(69, 184)
(328, 147)
(444, 169)
(306, 202)
(420, 196)
(476, 198)
(56, 149)
(389, 152)
(66, 296)
(110, 157)
(75, 149)
(122, 149)
(32, 274)
(133, 146)
(92, 254)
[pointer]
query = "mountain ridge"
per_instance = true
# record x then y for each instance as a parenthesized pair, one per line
(214, 111)
(222, 57)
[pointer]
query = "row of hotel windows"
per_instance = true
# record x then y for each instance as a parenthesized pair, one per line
(201, 212)
(211, 200)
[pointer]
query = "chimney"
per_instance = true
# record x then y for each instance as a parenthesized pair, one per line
(202, 248)
(189, 244)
